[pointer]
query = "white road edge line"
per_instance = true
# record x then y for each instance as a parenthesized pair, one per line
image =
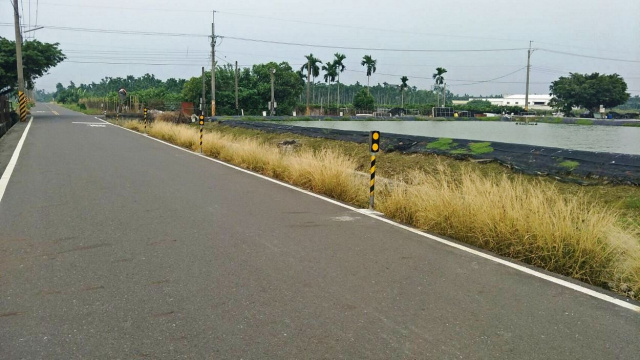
(4, 181)
(366, 212)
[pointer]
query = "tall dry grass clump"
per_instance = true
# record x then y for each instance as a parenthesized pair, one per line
(528, 221)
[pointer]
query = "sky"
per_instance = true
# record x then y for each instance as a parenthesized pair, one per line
(406, 37)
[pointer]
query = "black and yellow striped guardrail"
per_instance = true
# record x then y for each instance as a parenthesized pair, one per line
(23, 106)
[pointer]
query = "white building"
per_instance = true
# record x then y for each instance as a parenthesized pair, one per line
(536, 102)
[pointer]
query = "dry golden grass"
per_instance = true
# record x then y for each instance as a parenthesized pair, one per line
(514, 217)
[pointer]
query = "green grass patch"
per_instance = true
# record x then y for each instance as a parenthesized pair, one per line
(569, 164)
(480, 148)
(584, 122)
(81, 108)
(442, 144)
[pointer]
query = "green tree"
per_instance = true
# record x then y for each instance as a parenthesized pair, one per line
(403, 86)
(37, 59)
(363, 100)
(339, 65)
(330, 76)
(439, 78)
(588, 91)
(370, 64)
(312, 62)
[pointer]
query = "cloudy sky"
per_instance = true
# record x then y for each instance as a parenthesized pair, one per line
(568, 35)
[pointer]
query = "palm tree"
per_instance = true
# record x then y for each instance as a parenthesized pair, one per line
(437, 76)
(403, 86)
(370, 63)
(329, 76)
(313, 70)
(338, 63)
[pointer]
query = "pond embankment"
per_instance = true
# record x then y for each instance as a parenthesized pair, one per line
(564, 164)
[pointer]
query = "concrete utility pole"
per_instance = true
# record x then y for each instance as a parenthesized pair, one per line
(16, 18)
(526, 96)
(236, 73)
(308, 84)
(204, 94)
(273, 97)
(213, 65)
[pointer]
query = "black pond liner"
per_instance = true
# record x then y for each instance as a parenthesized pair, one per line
(582, 167)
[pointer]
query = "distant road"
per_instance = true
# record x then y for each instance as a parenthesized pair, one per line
(116, 246)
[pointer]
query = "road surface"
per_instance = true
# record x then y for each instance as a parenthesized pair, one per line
(116, 246)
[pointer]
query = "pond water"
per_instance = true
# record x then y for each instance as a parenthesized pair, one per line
(616, 139)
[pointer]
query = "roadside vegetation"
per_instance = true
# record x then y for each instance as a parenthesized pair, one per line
(589, 233)
(81, 108)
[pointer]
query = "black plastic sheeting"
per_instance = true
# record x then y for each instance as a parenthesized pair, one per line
(591, 167)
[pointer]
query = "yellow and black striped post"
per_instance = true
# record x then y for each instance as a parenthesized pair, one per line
(201, 128)
(374, 147)
(22, 98)
(145, 120)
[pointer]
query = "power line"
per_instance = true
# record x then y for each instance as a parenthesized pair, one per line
(365, 28)
(588, 56)
(152, 33)
(491, 80)
(367, 49)
(130, 63)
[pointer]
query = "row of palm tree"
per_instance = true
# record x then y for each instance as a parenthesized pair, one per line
(334, 68)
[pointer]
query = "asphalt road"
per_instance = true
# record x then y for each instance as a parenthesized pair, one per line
(116, 246)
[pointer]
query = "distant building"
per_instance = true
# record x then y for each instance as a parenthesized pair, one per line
(536, 102)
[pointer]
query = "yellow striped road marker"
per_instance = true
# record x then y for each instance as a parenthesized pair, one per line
(201, 127)
(22, 98)
(374, 147)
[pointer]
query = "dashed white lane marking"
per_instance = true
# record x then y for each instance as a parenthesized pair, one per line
(526, 270)
(4, 180)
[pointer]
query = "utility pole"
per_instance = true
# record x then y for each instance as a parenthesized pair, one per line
(526, 96)
(273, 98)
(213, 64)
(236, 73)
(16, 18)
(204, 94)
(308, 85)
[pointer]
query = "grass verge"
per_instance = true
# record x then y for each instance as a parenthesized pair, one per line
(527, 219)
(83, 110)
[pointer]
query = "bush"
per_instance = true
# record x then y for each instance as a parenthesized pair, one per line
(364, 101)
